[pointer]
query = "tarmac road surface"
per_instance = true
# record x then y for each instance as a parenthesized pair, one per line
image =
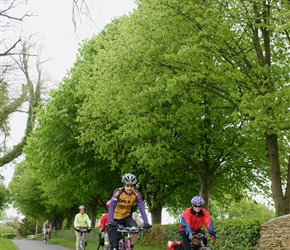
(36, 245)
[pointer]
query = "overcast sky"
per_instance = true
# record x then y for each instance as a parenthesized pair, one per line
(53, 27)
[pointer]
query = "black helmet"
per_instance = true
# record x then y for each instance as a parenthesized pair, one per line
(129, 179)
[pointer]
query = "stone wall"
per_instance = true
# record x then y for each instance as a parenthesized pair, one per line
(275, 234)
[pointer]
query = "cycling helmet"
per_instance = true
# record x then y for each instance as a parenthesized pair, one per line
(129, 179)
(197, 201)
(82, 207)
(108, 203)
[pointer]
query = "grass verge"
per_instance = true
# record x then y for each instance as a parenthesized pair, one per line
(71, 243)
(7, 244)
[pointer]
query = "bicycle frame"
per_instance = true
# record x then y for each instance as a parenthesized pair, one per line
(47, 236)
(83, 231)
(126, 244)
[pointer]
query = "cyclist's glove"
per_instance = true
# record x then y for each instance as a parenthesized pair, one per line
(191, 236)
(213, 234)
(77, 229)
(113, 223)
(147, 226)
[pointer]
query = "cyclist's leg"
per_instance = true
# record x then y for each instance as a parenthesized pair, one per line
(130, 222)
(44, 235)
(185, 241)
(78, 238)
(114, 237)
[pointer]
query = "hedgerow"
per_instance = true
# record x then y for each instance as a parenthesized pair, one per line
(232, 234)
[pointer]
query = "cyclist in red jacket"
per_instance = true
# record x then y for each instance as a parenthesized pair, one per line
(192, 220)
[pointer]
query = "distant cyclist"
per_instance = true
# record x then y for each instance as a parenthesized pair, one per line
(192, 220)
(46, 228)
(120, 210)
(81, 220)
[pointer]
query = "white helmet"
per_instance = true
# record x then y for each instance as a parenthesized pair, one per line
(129, 179)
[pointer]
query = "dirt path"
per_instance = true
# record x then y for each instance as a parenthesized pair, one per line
(36, 245)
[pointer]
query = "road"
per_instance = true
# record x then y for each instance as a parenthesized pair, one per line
(36, 245)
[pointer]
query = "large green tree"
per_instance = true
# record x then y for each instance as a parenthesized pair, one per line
(250, 43)
(147, 109)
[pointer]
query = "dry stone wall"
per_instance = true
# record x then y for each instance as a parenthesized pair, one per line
(275, 234)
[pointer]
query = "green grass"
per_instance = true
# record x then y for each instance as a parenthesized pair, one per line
(7, 244)
(71, 243)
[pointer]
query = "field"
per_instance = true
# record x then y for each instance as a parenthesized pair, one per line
(6, 244)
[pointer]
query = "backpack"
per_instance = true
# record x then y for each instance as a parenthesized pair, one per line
(175, 245)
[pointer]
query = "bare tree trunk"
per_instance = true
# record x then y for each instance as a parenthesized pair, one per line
(274, 164)
(205, 183)
(36, 227)
(156, 214)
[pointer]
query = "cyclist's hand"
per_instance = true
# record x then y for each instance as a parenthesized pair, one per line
(113, 223)
(213, 234)
(147, 226)
(191, 236)
(89, 229)
(77, 229)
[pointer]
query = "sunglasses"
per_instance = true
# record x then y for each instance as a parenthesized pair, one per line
(197, 206)
(128, 185)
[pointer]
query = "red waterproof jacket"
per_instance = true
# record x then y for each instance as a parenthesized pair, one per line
(104, 221)
(192, 221)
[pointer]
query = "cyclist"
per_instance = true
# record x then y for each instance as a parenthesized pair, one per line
(46, 228)
(81, 220)
(120, 210)
(192, 220)
(103, 230)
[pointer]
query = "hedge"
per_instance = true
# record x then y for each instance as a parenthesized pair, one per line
(8, 235)
(232, 234)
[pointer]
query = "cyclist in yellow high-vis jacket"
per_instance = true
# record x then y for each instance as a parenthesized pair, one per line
(81, 220)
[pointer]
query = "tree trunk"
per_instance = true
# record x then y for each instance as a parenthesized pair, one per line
(58, 222)
(205, 183)
(156, 214)
(94, 212)
(36, 227)
(275, 172)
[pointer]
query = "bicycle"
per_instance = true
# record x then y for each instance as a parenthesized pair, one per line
(198, 243)
(83, 241)
(125, 243)
(46, 236)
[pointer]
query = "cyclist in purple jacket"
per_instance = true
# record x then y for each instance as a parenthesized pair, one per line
(120, 210)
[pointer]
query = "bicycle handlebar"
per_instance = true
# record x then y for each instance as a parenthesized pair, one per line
(200, 236)
(122, 229)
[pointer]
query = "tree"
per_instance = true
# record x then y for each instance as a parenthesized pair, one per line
(69, 174)
(16, 62)
(250, 41)
(4, 196)
(148, 114)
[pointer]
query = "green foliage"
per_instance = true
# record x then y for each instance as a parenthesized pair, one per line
(233, 234)
(8, 235)
(6, 229)
(27, 227)
(244, 209)
(4, 196)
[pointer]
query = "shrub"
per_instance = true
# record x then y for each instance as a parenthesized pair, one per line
(8, 235)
